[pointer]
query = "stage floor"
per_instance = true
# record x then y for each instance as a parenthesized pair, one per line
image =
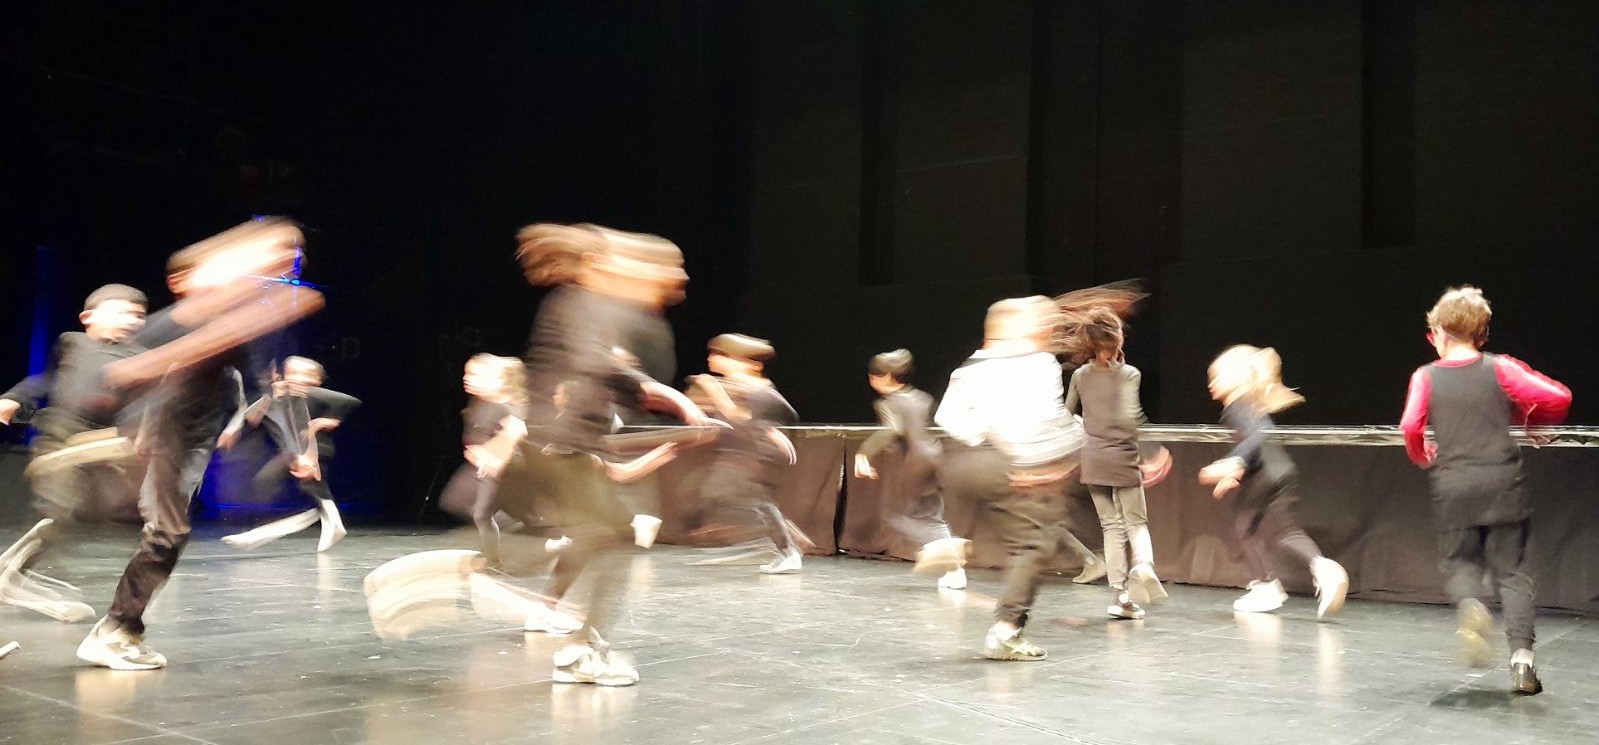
(275, 647)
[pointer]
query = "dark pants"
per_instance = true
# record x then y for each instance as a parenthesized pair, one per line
(742, 497)
(477, 499)
(1468, 553)
(272, 475)
(1029, 522)
(171, 478)
(584, 502)
(922, 519)
(1268, 527)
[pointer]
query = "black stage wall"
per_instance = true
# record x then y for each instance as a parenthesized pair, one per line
(845, 176)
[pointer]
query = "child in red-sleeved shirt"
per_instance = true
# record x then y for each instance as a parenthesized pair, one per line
(1471, 399)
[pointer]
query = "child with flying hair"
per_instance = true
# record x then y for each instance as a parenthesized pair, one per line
(1261, 480)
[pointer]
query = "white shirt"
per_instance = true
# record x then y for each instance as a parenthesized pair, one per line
(1014, 402)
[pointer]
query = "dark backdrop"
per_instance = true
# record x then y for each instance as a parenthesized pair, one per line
(845, 176)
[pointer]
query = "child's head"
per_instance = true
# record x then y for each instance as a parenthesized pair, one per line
(1031, 320)
(1102, 334)
(303, 371)
(890, 371)
(490, 377)
(738, 355)
(1246, 373)
(1461, 316)
(263, 247)
(638, 266)
(113, 313)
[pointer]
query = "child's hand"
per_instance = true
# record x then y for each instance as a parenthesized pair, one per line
(1224, 487)
(863, 467)
(306, 468)
(1226, 468)
(322, 424)
(642, 465)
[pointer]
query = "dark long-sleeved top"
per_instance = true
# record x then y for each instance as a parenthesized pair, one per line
(904, 415)
(574, 341)
(1475, 468)
(748, 445)
(1267, 468)
(187, 407)
(1108, 398)
(288, 421)
(73, 383)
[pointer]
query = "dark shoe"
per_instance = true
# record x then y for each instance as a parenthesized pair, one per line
(1524, 679)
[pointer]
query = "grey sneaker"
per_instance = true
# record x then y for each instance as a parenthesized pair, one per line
(109, 645)
(1093, 571)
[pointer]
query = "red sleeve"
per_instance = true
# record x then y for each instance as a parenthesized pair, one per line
(1414, 422)
(1539, 399)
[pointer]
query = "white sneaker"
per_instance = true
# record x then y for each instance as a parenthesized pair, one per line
(581, 663)
(332, 525)
(942, 556)
(1263, 597)
(1332, 584)
(557, 545)
(955, 580)
(108, 645)
(545, 620)
(786, 563)
(1144, 587)
(1122, 606)
(645, 528)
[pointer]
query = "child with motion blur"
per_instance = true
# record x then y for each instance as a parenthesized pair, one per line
(1014, 447)
(1106, 389)
(497, 387)
(740, 478)
(904, 412)
(1471, 398)
(80, 404)
(297, 413)
(1260, 478)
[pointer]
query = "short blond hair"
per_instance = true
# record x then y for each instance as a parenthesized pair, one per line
(511, 372)
(1462, 312)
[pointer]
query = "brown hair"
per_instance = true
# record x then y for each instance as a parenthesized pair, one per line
(1094, 318)
(553, 254)
(1462, 312)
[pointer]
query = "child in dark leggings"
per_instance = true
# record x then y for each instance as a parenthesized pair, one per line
(1471, 399)
(498, 389)
(1261, 481)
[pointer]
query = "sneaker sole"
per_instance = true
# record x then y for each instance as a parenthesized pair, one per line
(114, 662)
(607, 682)
(1117, 614)
(1008, 657)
